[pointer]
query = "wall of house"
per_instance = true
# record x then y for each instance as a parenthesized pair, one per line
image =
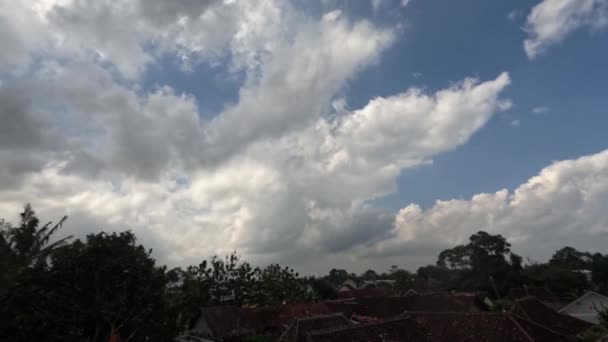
(585, 307)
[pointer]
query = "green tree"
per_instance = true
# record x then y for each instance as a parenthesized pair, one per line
(24, 275)
(110, 284)
(323, 289)
(599, 271)
(572, 259)
(337, 277)
(370, 275)
(485, 263)
(404, 280)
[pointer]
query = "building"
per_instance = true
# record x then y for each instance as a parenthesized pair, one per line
(586, 307)
(300, 327)
(398, 329)
(534, 310)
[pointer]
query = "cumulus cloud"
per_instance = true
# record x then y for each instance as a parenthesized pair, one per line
(288, 170)
(562, 205)
(551, 21)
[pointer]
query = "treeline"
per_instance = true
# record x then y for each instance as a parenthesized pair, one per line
(487, 263)
(87, 290)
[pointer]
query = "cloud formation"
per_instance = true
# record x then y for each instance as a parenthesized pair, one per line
(278, 173)
(551, 21)
(561, 205)
(286, 173)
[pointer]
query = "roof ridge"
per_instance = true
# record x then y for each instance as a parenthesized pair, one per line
(537, 324)
(357, 326)
(521, 328)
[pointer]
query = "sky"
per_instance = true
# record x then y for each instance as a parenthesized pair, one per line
(319, 134)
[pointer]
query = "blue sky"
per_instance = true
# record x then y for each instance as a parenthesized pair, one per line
(355, 133)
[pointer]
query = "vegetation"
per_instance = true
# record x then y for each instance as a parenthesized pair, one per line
(60, 289)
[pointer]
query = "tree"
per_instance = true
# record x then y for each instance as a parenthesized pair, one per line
(404, 280)
(337, 277)
(276, 284)
(562, 282)
(572, 259)
(481, 264)
(370, 275)
(458, 258)
(109, 284)
(323, 289)
(599, 271)
(24, 252)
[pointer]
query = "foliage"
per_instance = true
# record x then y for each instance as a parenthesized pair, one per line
(571, 259)
(404, 280)
(482, 264)
(596, 333)
(322, 289)
(369, 275)
(110, 284)
(24, 252)
(337, 277)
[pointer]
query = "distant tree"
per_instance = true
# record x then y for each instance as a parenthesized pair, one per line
(276, 284)
(485, 263)
(599, 271)
(337, 277)
(404, 280)
(24, 273)
(323, 289)
(370, 275)
(562, 282)
(572, 259)
(110, 284)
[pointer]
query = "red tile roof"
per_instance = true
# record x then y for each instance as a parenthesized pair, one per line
(221, 321)
(389, 307)
(300, 327)
(490, 327)
(534, 310)
(365, 293)
(539, 292)
(399, 329)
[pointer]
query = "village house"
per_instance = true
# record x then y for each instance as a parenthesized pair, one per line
(586, 307)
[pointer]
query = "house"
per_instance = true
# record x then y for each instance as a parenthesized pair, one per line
(391, 307)
(398, 329)
(379, 283)
(540, 293)
(495, 327)
(352, 284)
(221, 322)
(349, 285)
(300, 327)
(586, 306)
(364, 293)
(534, 310)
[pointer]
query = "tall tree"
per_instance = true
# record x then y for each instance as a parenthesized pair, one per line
(337, 277)
(24, 254)
(109, 284)
(572, 259)
(370, 275)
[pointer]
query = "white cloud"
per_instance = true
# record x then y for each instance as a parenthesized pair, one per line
(515, 122)
(304, 190)
(551, 21)
(130, 34)
(404, 3)
(541, 110)
(417, 74)
(286, 171)
(562, 205)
